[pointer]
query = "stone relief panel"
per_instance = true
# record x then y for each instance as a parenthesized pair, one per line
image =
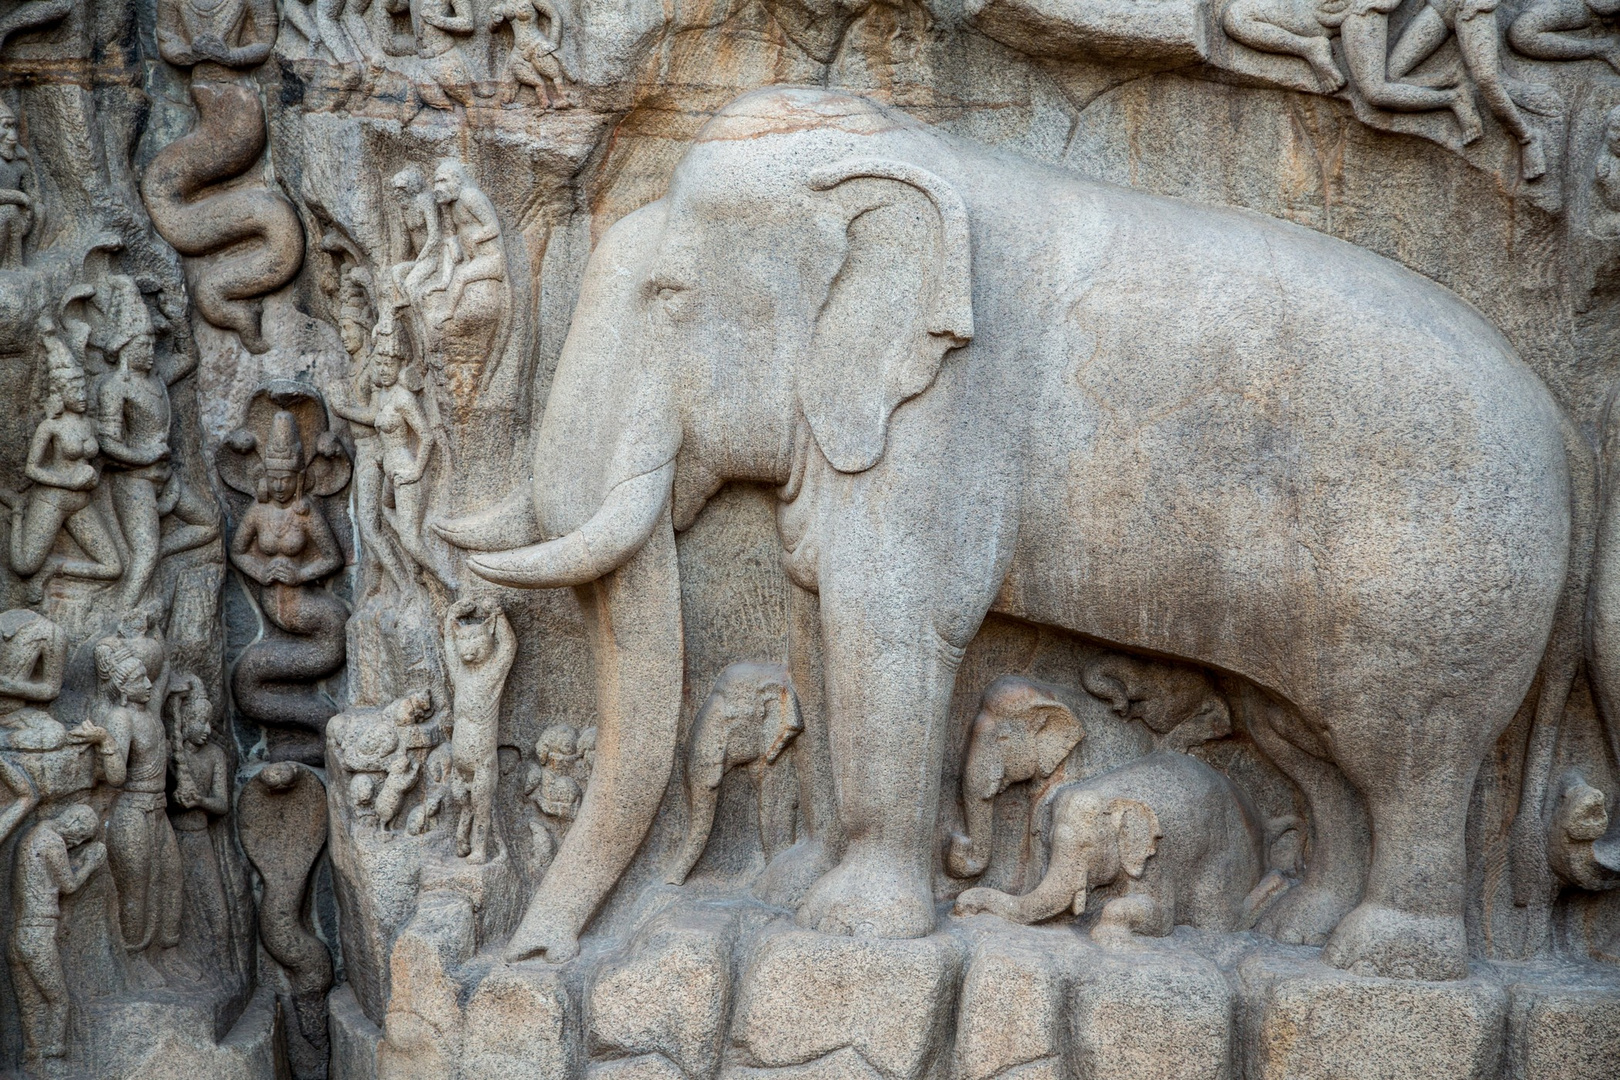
(548, 537)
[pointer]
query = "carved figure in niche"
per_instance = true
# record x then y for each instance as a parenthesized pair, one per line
(1023, 732)
(46, 871)
(534, 60)
(405, 445)
(132, 426)
(1302, 28)
(641, 429)
(1473, 22)
(1178, 704)
(1543, 29)
(282, 822)
(245, 240)
(17, 206)
(552, 788)
(382, 749)
(1176, 838)
(64, 465)
(749, 718)
(422, 241)
(479, 646)
(440, 27)
(202, 791)
(33, 658)
(31, 15)
(284, 544)
(475, 250)
(1606, 174)
(126, 724)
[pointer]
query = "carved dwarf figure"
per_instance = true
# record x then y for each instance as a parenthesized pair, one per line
(479, 646)
(63, 463)
(17, 207)
(33, 658)
(202, 791)
(534, 60)
(473, 243)
(552, 789)
(132, 425)
(45, 872)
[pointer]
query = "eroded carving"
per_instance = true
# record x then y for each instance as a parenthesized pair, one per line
(534, 60)
(383, 751)
(47, 869)
(479, 647)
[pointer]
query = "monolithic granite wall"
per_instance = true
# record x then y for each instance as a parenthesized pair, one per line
(809, 539)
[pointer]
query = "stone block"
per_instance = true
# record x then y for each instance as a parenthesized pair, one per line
(1151, 1010)
(516, 1026)
(1304, 1020)
(1166, 30)
(1563, 1027)
(354, 1037)
(640, 1067)
(804, 995)
(1010, 1017)
(668, 992)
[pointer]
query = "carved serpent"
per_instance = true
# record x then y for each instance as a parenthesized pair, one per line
(244, 242)
(273, 679)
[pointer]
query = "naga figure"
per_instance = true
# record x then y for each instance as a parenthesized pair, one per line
(285, 545)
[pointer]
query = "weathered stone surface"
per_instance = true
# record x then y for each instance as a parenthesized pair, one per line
(1152, 1011)
(1012, 1015)
(1562, 1024)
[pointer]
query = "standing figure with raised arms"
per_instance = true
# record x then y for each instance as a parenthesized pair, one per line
(479, 646)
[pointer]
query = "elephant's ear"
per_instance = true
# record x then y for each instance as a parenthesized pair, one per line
(901, 299)
(1139, 834)
(1057, 733)
(783, 720)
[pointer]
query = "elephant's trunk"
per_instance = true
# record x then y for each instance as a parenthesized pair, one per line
(701, 799)
(618, 529)
(634, 617)
(970, 854)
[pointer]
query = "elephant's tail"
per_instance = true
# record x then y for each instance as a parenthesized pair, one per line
(1560, 664)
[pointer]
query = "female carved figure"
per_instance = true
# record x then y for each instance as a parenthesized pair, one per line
(62, 465)
(406, 442)
(230, 33)
(132, 425)
(127, 727)
(285, 545)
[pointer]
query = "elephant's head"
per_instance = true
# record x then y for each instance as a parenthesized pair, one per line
(750, 717)
(807, 270)
(1105, 838)
(1022, 732)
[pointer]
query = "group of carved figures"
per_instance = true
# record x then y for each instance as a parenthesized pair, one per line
(135, 752)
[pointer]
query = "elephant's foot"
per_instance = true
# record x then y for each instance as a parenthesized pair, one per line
(1384, 941)
(539, 938)
(792, 873)
(1304, 915)
(870, 895)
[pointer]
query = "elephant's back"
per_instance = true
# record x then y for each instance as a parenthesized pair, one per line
(1284, 455)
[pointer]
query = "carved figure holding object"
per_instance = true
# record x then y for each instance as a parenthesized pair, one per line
(18, 206)
(749, 719)
(1544, 29)
(46, 871)
(64, 465)
(479, 647)
(534, 60)
(1176, 838)
(472, 231)
(1023, 732)
(33, 659)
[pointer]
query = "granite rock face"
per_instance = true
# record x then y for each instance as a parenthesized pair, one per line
(809, 539)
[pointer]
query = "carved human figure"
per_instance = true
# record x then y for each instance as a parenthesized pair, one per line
(420, 254)
(230, 33)
(383, 751)
(1549, 30)
(1023, 732)
(126, 724)
(46, 870)
(320, 23)
(472, 235)
(749, 719)
(132, 426)
(552, 788)
(534, 60)
(438, 784)
(1176, 702)
(479, 646)
(64, 465)
(202, 791)
(33, 658)
(405, 445)
(1177, 840)
(17, 205)
(441, 26)
(1302, 28)
(284, 544)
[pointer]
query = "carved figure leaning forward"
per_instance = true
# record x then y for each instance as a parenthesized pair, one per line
(33, 659)
(45, 872)
(479, 646)
(534, 60)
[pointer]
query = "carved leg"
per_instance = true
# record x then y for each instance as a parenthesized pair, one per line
(167, 882)
(1481, 50)
(129, 858)
(135, 499)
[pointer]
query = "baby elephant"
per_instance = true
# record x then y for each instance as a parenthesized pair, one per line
(1176, 837)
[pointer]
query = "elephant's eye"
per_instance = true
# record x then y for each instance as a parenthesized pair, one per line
(673, 299)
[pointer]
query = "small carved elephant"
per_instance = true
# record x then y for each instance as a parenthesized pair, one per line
(750, 717)
(1176, 838)
(1178, 703)
(1022, 732)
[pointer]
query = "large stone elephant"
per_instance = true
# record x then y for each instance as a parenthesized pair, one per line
(986, 385)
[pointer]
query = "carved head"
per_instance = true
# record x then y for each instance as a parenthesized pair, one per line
(193, 711)
(448, 180)
(385, 365)
(1022, 732)
(1115, 836)
(474, 630)
(354, 309)
(122, 673)
(76, 824)
(68, 390)
(8, 132)
(557, 746)
(414, 708)
(283, 456)
(408, 182)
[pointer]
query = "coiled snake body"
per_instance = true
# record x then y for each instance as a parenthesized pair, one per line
(242, 243)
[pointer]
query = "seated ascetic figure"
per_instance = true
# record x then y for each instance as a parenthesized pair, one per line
(983, 385)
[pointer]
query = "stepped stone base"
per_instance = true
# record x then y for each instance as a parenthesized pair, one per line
(731, 991)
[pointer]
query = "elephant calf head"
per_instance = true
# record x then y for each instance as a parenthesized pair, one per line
(1178, 703)
(749, 718)
(1022, 732)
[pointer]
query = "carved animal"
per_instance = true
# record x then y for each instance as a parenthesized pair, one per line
(1021, 733)
(1181, 835)
(1095, 382)
(1178, 704)
(243, 242)
(748, 720)
(281, 820)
